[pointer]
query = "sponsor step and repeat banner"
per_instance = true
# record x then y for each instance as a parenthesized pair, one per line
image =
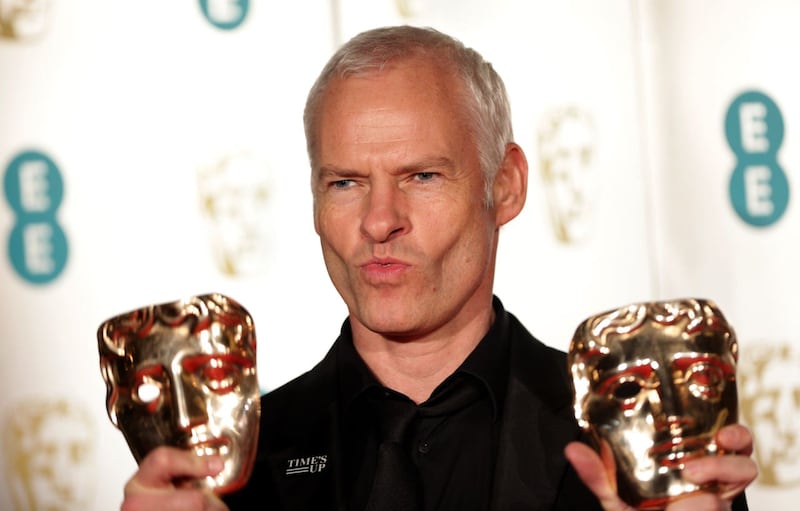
(154, 150)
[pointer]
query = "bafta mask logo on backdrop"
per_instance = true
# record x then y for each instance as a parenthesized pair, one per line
(37, 244)
(225, 14)
(409, 9)
(23, 19)
(758, 187)
(769, 396)
(566, 144)
(235, 195)
(49, 454)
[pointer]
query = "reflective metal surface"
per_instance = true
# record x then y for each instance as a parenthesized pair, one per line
(654, 382)
(184, 374)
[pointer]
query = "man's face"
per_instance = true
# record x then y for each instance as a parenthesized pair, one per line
(399, 201)
(657, 393)
(190, 388)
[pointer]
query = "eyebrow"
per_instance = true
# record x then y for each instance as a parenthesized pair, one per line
(419, 165)
(427, 163)
(333, 170)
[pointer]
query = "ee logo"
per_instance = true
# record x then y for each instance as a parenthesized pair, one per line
(34, 189)
(758, 189)
(225, 14)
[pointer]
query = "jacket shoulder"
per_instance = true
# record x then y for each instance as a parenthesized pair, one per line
(295, 405)
(292, 465)
(541, 368)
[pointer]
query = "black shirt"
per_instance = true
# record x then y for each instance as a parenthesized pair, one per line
(303, 421)
(453, 452)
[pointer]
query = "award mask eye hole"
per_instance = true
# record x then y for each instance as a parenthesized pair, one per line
(705, 381)
(148, 392)
(218, 373)
(220, 376)
(627, 390)
(221, 379)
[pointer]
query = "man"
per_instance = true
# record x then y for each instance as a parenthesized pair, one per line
(414, 171)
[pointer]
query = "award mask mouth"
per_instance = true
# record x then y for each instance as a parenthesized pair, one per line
(219, 446)
(675, 453)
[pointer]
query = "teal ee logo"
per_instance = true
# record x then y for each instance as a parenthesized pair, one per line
(34, 189)
(759, 189)
(225, 14)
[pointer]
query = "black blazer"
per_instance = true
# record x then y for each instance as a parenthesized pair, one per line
(299, 461)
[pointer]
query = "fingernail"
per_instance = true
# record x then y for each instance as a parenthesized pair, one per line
(729, 436)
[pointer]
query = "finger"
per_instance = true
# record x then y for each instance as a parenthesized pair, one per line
(595, 475)
(175, 500)
(733, 473)
(735, 438)
(699, 502)
(215, 503)
(166, 464)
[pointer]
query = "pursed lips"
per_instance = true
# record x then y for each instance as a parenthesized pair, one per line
(383, 270)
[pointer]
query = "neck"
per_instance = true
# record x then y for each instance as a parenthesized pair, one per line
(416, 366)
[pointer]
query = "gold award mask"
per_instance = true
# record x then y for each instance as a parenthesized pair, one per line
(653, 382)
(184, 374)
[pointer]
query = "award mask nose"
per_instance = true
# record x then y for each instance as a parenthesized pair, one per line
(190, 407)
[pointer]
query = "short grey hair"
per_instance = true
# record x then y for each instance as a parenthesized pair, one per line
(486, 103)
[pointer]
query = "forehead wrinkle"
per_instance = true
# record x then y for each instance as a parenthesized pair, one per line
(383, 125)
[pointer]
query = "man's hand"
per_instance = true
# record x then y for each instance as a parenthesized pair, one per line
(732, 472)
(153, 486)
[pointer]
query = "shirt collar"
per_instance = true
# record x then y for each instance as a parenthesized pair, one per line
(488, 363)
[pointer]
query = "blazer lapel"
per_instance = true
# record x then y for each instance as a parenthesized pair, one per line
(307, 461)
(537, 425)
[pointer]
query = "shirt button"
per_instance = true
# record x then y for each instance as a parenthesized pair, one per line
(423, 447)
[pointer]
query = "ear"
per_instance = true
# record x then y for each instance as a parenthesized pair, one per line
(510, 184)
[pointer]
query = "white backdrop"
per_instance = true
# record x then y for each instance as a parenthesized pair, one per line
(153, 150)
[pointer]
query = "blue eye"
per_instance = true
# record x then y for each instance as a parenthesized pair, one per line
(342, 183)
(425, 176)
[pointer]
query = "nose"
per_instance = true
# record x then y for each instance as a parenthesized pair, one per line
(189, 404)
(384, 217)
